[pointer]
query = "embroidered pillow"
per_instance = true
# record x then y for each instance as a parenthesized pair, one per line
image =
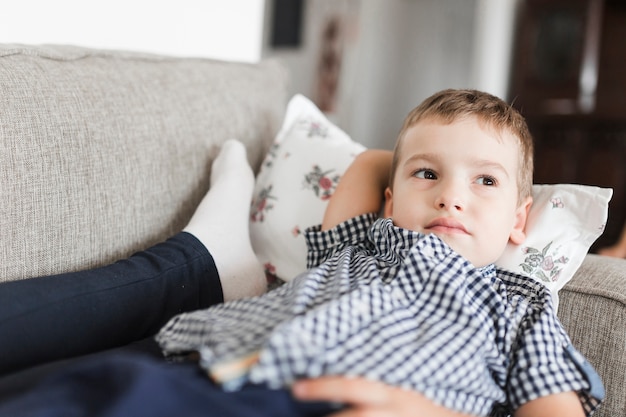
(296, 179)
(309, 156)
(564, 221)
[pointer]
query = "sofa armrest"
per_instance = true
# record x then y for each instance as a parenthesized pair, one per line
(593, 310)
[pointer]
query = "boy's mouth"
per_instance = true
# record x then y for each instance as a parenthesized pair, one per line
(446, 225)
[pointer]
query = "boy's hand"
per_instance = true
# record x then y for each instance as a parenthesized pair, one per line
(368, 398)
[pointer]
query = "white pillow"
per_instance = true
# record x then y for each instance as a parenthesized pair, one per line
(309, 156)
(296, 179)
(564, 221)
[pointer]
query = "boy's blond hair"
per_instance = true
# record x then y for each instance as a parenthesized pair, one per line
(451, 105)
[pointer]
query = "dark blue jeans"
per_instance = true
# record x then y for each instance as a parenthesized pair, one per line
(110, 385)
(56, 330)
(63, 316)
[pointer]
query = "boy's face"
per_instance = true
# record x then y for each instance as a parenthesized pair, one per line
(459, 181)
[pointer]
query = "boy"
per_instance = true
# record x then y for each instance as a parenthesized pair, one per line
(412, 299)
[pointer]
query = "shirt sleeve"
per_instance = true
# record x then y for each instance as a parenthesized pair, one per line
(323, 244)
(546, 363)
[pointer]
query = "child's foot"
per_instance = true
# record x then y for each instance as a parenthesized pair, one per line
(221, 223)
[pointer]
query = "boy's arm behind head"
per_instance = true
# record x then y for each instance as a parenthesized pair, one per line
(360, 189)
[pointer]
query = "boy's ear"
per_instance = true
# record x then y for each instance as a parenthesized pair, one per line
(388, 210)
(518, 234)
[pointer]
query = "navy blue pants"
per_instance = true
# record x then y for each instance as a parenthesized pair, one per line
(130, 386)
(64, 343)
(63, 316)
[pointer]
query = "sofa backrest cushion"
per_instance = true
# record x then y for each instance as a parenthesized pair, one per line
(107, 152)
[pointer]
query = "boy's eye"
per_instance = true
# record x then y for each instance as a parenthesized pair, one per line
(487, 180)
(426, 174)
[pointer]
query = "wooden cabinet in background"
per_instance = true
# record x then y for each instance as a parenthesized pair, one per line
(569, 81)
(584, 151)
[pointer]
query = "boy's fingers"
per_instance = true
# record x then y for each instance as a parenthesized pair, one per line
(354, 391)
(367, 398)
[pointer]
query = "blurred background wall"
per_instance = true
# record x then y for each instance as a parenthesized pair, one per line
(394, 53)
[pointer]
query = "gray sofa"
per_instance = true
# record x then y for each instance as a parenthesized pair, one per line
(104, 153)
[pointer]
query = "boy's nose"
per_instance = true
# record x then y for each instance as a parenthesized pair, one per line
(450, 198)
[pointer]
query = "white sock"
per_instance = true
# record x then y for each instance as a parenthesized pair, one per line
(221, 223)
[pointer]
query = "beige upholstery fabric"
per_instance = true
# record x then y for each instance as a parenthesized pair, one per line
(593, 310)
(103, 153)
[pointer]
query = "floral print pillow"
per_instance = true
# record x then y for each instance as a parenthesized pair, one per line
(563, 223)
(295, 182)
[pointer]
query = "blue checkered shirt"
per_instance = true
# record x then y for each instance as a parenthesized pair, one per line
(396, 306)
